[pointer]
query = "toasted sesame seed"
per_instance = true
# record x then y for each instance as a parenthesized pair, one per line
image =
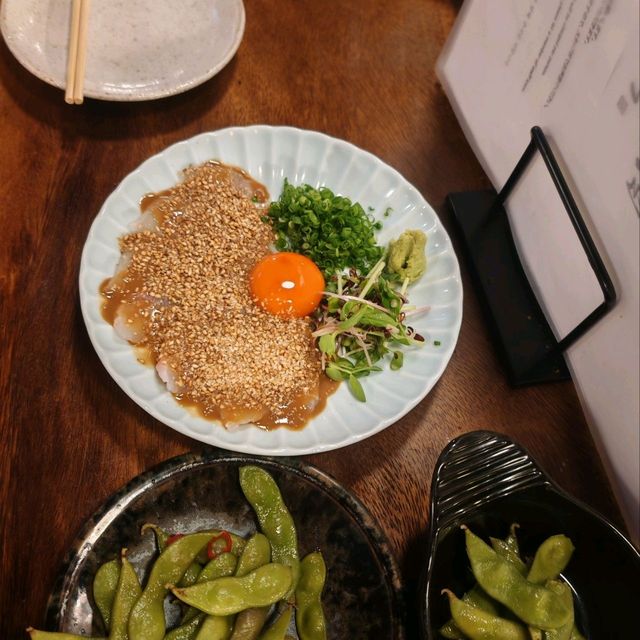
(190, 278)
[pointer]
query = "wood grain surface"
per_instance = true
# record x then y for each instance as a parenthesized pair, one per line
(361, 70)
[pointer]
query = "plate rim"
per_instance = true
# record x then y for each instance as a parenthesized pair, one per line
(248, 446)
(107, 96)
(184, 463)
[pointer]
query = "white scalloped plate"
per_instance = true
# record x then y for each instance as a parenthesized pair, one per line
(270, 154)
(137, 49)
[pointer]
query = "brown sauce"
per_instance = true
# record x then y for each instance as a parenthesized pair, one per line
(294, 416)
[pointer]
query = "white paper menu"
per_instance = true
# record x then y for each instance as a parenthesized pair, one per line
(572, 67)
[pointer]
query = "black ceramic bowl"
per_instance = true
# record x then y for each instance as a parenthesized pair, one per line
(362, 597)
(487, 482)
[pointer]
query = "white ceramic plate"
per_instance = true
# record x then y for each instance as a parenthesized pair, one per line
(137, 49)
(270, 154)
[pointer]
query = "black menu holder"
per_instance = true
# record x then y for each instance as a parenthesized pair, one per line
(526, 343)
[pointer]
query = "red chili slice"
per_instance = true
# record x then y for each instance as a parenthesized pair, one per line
(228, 544)
(171, 539)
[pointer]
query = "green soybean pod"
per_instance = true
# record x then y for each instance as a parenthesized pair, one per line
(55, 635)
(535, 605)
(276, 522)
(190, 575)
(564, 592)
(506, 551)
(226, 596)
(127, 594)
(249, 623)
(215, 628)
(450, 631)
(480, 625)
(551, 559)
(160, 534)
(105, 583)
(162, 541)
(188, 630)
(310, 620)
(476, 597)
(512, 539)
(146, 621)
(257, 553)
(162, 537)
(222, 566)
(278, 629)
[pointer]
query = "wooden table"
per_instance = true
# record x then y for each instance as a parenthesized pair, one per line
(361, 70)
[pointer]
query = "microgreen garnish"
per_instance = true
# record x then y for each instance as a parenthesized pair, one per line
(359, 323)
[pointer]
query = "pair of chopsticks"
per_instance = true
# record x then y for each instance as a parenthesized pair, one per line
(77, 52)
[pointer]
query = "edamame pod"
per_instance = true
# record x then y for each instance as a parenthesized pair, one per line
(146, 621)
(127, 594)
(190, 575)
(276, 522)
(187, 630)
(551, 559)
(278, 630)
(256, 553)
(162, 540)
(215, 628)
(222, 566)
(450, 631)
(249, 623)
(480, 625)
(55, 635)
(564, 592)
(226, 596)
(476, 597)
(512, 539)
(506, 551)
(160, 534)
(309, 615)
(105, 583)
(162, 537)
(535, 605)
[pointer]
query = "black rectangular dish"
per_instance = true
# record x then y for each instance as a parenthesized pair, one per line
(487, 482)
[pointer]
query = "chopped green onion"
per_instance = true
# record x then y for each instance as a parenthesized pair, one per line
(360, 326)
(333, 231)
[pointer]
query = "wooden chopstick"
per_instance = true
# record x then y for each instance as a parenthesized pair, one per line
(74, 92)
(73, 51)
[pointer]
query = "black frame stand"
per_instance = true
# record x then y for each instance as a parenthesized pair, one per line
(527, 345)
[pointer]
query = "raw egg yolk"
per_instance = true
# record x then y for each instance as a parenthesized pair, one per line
(287, 284)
